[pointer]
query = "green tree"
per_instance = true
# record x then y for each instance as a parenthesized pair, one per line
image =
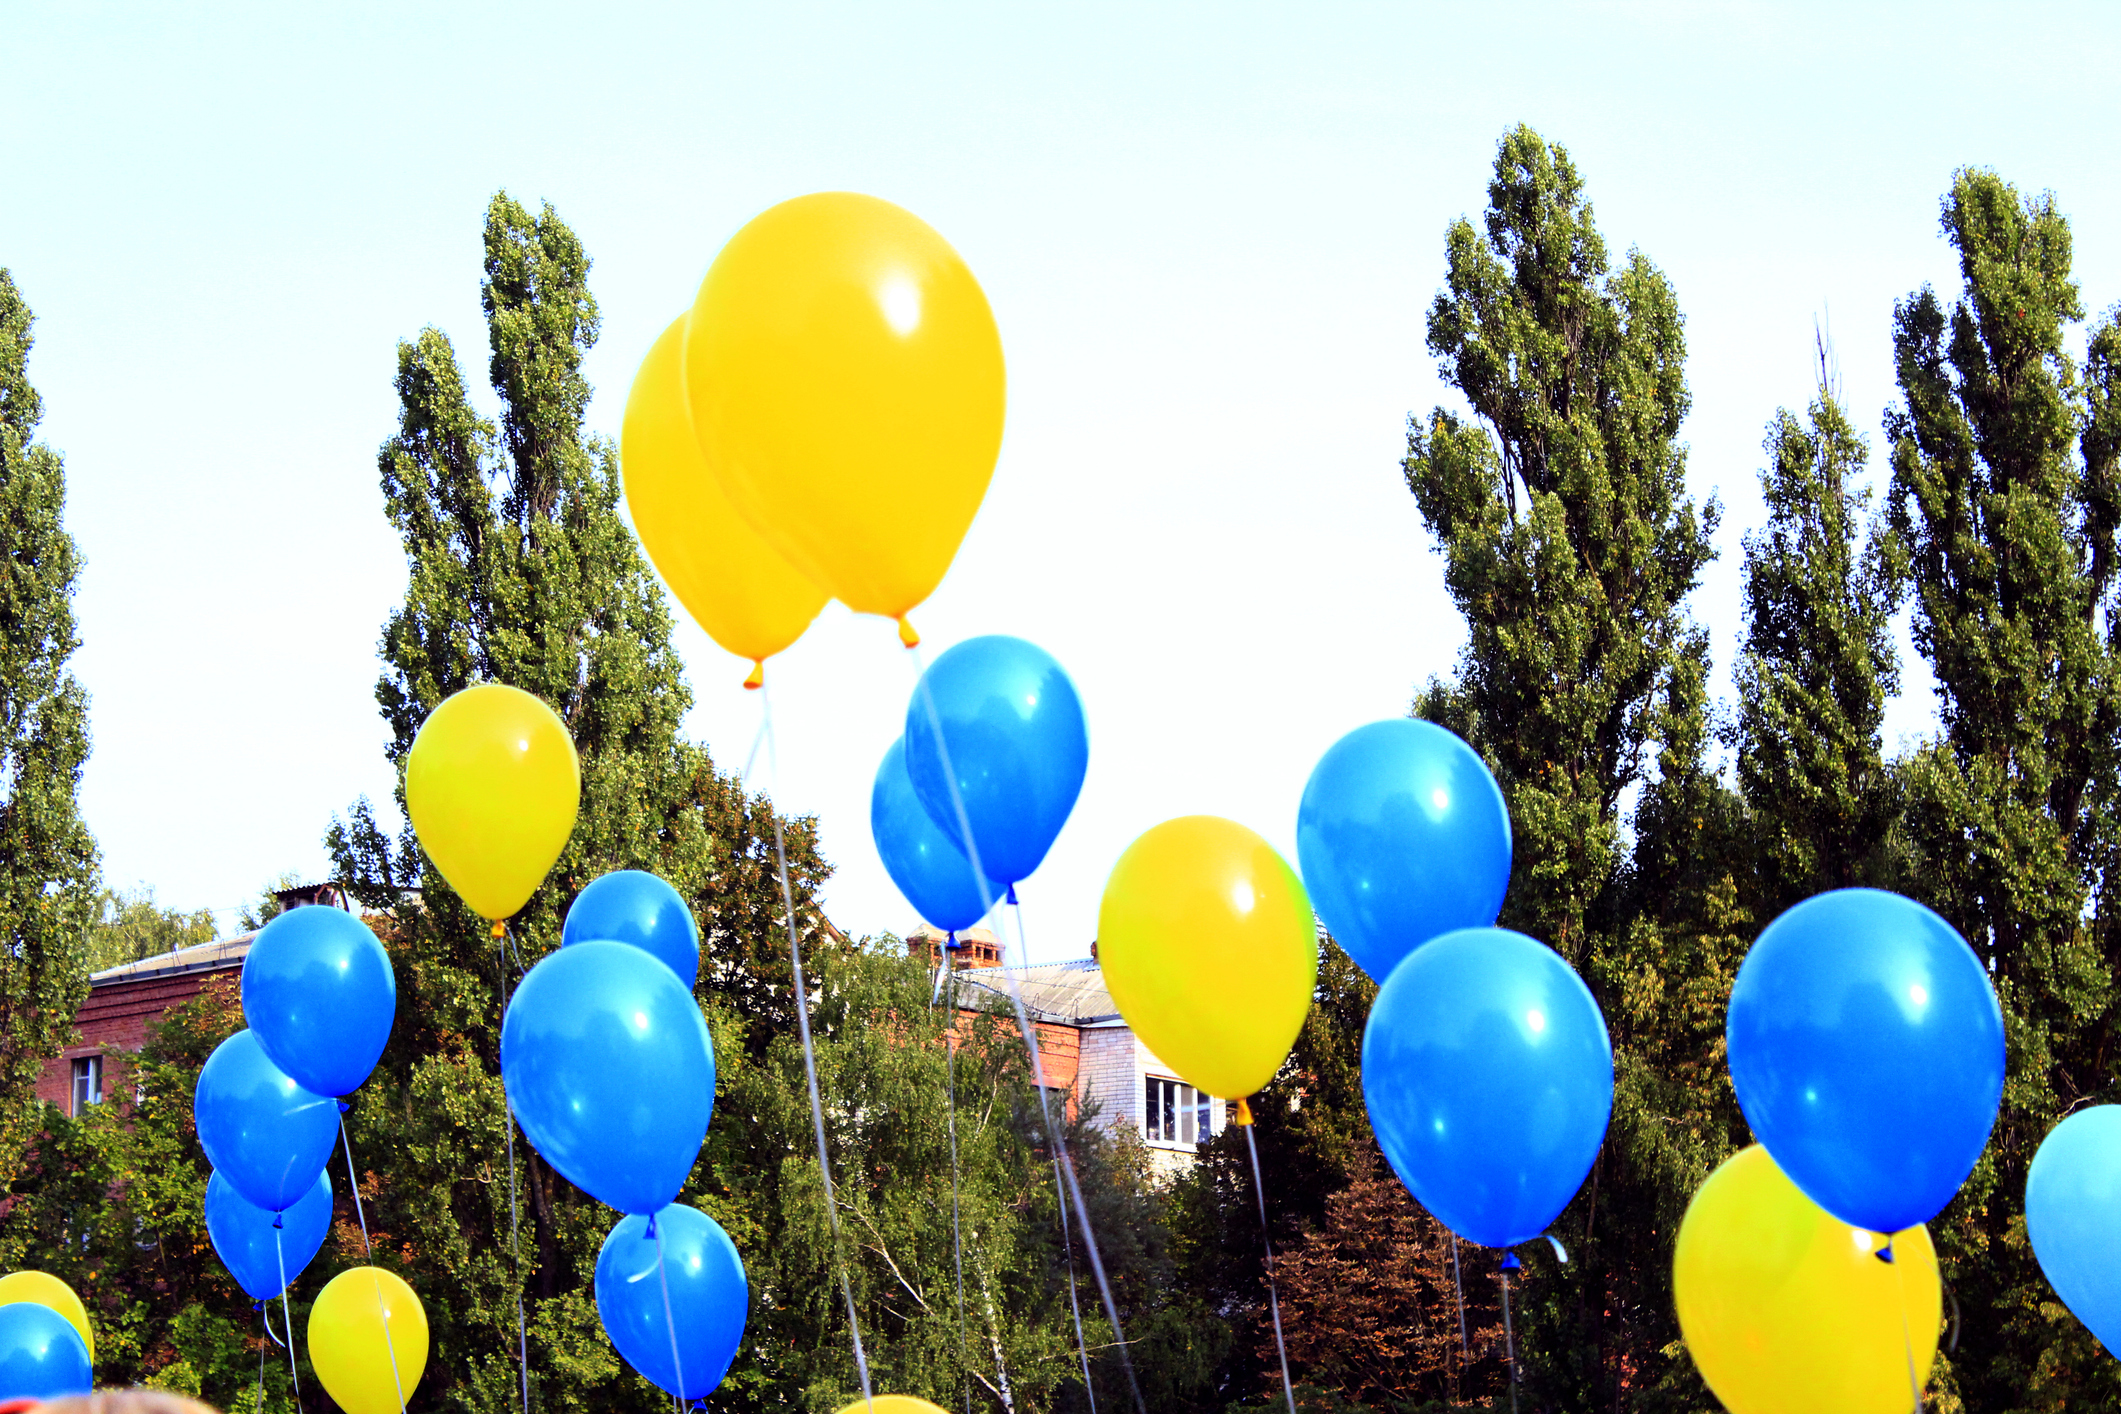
(47, 857)
(1817, 665)
(1570, 545)
(2004, 500)
(130, 927)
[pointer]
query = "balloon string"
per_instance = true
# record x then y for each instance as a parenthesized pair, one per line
(515, 1240)
(802, 1021)
(1023, 950)
(1907, 1343)
(1259, 1191)
(259, 1406)
(671, 1322)
(1064, 1167)
(1465, 1347)
(288, 1313)
(957, 1241)
(368, 1251)
(1509, 1339)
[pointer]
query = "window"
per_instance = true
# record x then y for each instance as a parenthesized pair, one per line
(1177, 1113)
(88, 1082)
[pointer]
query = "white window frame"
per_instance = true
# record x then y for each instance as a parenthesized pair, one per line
(85, 1084)
(1192, 1113)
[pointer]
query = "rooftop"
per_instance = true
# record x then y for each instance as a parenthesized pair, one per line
(1071, 993)
(201, 957)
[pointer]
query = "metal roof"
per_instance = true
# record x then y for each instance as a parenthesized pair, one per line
(1069, 993)
(200, 957)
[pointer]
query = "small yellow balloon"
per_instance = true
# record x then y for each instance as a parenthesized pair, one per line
(891, 1404)
(47, 1290)
(363, 1319)
(738, 588)
(1786, 1309)
(492, 786)
(1210, 951)
(847, 388)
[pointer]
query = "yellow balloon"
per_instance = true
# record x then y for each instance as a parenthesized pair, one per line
(1210, 951)
(891, 1404)
(47, 1290)
(368, 1340)
(492, 786)
(1786, 1310)
(738, 588)
(847, 388)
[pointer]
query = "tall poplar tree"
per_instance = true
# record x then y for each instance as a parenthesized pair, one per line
(47, 857)
(521, 570)
(1816, 664)
(2005, 499)
(1570, 544)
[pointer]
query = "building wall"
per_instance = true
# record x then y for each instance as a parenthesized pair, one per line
(1111, 1076)
(114, 1022)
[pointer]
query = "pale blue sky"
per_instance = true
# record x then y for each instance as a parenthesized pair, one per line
(1210, 234)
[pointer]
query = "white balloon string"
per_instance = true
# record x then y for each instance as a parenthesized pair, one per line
(1907, 1343)
(1509, 1339)
(1066, 1185)
(802, 1021)
(1465, 1347)
(383, 1319)
(368, 1251)
(508, 1122)
(957, 1240)
(670, 1321)
(259, 1406)
(288, 1314)
(1266, 1241)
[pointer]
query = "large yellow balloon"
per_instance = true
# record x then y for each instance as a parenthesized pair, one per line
(47, 1290)
(492, 786)
(363, 1318)
(1786, 1310)
(738, 588)
(847, 389)
(891, 1404)
(1210, 951)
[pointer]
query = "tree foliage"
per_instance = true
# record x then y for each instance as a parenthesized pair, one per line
(47, 857)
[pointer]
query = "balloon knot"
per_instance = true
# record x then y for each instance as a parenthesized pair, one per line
(951, 944)
(1244, 1112)
(1510, 1262)
(343, 1106)
(906, 635)
(651, 1225)
(1012, 897)
(500, 927)
(757, 679)
(1885, 1253)
(276, 1219)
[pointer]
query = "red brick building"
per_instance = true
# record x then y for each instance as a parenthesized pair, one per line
(125, 1002)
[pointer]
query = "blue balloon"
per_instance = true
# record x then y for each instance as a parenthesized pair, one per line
(319, 994)
(41, 1354)
(924, 861)
(261, 1131)
(1403, 837)
(709, 1298)
(245, 1237)
(609, 1068)
(1489, 1079)
(1867, 1050)
(1018, 748)
(2073, 1215)
(633, 906)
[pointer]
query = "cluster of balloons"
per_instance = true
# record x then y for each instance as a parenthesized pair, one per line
(608, 1066)
(46, 1347)
(1866, 1048)
(320, 996)
(994, 753)
(822, 422)
(1486, 1066)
